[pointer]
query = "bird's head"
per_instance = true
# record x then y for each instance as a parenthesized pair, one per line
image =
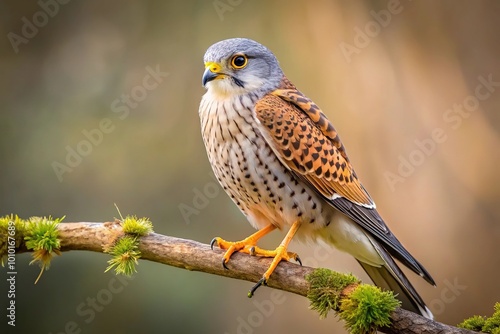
(240, 66)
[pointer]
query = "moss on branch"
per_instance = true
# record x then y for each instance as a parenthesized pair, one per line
(363, 307)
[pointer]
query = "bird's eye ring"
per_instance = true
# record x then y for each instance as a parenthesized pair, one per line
(239, 61)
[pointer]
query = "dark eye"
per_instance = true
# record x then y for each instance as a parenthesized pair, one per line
(239, 61)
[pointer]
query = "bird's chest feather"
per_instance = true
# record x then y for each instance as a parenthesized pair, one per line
(237, 151)
(248, 169)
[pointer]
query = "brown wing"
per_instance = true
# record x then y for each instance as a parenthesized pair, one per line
(306, 142)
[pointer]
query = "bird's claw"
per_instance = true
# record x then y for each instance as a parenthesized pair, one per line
(213, 242)
(248, 246)
(262, 281)
(230, 248)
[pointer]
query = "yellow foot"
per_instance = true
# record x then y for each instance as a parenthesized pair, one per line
(243, 246)
(278, 255)
(246, 245)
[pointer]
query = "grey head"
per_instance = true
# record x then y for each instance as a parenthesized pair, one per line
(239, 66)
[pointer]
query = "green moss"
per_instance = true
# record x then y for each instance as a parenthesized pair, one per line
(325, 289)
(38, 234)
(364, 309)
(138, 227)
(367, 308)
(125, 255)
(125, 251)
(41, 236)
(492, 324)
(486, 325)
(12, 231)
(474, 323)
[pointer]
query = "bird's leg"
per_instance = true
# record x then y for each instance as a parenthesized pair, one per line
(246, 245)
(279, 254)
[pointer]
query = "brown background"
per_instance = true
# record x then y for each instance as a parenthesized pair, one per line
(395, 90)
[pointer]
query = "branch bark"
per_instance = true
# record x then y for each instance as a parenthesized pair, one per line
(195, 256)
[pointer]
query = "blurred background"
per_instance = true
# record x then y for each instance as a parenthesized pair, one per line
(99, 105)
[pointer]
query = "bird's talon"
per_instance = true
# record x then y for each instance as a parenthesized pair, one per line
(224, 264)
(212, 243)
(262, 281)
(297, 258)
(252, 250)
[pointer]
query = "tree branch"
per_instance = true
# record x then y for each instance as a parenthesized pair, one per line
(192, 255)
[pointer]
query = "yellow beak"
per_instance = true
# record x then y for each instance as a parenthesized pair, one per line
(212, 72)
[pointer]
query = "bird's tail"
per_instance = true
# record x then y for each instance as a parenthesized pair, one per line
(390, 277)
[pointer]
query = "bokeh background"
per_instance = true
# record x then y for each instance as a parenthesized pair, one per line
(385, 88)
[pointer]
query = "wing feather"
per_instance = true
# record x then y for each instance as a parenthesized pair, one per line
(307, 143)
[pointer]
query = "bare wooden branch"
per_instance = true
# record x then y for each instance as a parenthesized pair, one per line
(192, 255)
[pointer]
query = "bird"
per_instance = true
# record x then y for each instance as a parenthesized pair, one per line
(281, 161)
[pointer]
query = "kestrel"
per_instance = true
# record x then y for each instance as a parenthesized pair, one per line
(281, 161)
